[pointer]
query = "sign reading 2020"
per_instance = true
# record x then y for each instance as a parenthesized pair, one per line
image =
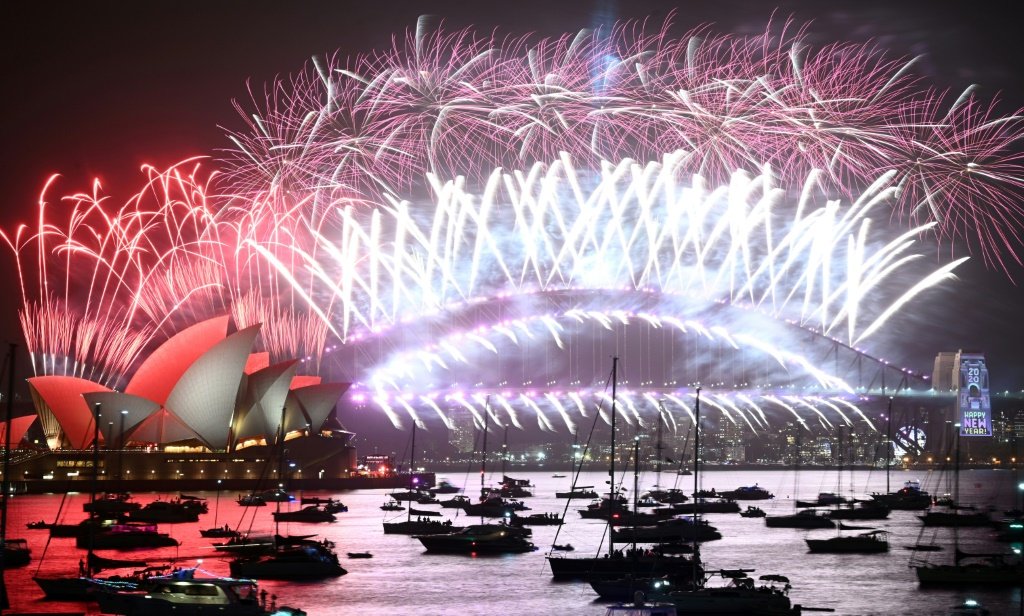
(974, 407)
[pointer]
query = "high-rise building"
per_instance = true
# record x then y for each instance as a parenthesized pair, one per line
(944, 374)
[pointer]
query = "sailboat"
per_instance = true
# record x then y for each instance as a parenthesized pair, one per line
(418, 526)
(804, 518)
(305, 560)
(482, 538)
(908, 498)
(617, 564)
(970, 569)
(216, 531)
(13, 552)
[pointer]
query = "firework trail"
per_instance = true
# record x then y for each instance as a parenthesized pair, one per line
(348, 130)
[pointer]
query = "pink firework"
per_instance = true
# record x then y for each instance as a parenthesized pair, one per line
(349, 131)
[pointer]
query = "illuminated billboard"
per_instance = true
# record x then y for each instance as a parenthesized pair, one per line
(973, 405)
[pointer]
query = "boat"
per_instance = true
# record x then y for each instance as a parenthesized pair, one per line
(247, 545)
(427, 499)
(38, 525)
(754, 492)
(183, 593)
(672, 529)
(406, 495)
(251, 500)
(111, 502)
(424, 512)
(216, 531)
(420, 525)
(562, 547)
(739, 596)
(302, 559)
(393, 506)
(753, 512)
(456, 502)
(479, 539)
(870, 510)
(704, 505)
(171, 512)
(615, 563)
(871, 542)
(495, 507)
(923, 547)
(825, 499)
(311, 513)
(805, 518)
(126, 536)
(908, 498)
(536, 519)
(578, 492)
(360, 555)
(558, 476)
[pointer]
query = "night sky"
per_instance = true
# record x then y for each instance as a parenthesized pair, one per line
(99, 88)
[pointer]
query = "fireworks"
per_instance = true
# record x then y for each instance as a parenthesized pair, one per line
(455, 104)
(454, 210)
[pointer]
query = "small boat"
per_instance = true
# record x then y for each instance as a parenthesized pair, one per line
(419, 526)
(125, 537)
(871, 542)
(825, 499)
(336, 507)
(753, 512)
(251, 500)
(219, 532)
(40, 525)
(457, 502)
(558, 476)
(424, 512)
(806, 518)
(754, 492)
(392, 506)
(170, 512)
(360, 555)
(479, 539)
(536, 519)
(580, 492)
(309, 561)
(183, 593)
(312, 513)
(567, 547)
(427, 499)
(116, 502)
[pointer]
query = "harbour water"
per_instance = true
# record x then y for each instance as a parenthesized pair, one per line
(401, 579)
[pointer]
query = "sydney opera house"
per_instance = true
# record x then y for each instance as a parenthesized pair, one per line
(202, 406)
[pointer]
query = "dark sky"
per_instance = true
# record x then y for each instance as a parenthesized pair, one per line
(98, 88)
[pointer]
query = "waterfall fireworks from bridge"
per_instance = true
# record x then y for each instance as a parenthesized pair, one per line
(477, 223)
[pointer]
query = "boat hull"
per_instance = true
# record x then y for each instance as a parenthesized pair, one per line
(601, 568)
(969, 575)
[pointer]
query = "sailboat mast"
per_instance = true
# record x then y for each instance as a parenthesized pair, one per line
(888, 445)
(696, 487)
(636, 483)
(611, 461)
(4, 601)
(412, 470)
(95, 485)
(7, 447)
(280, 470)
